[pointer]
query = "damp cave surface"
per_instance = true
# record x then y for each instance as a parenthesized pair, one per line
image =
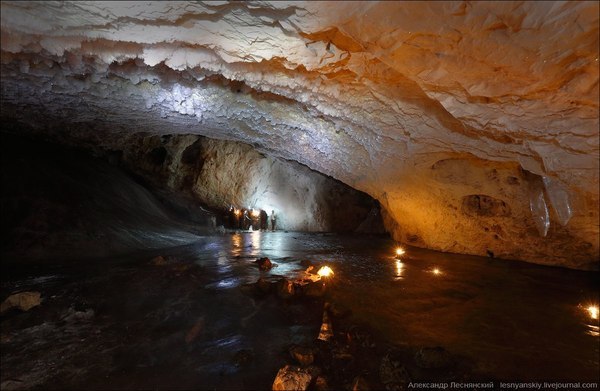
(191, 322)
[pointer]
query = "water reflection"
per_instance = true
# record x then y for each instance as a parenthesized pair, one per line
(255, 238)
(399, 269)
(473, 295)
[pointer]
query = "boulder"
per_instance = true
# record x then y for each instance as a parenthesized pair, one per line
(303, 355)
(22, 300)
(291, 378)
(264, 263)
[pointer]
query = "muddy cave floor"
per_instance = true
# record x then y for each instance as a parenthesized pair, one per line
(195, 321)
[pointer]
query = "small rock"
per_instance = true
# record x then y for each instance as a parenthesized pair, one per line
(393, 374)
(307, 264)
(304, 355)
(264, 286)
(314, 289)
(338, 311)
(292, 378)
(326, 331)
(360, 337)
(264, 263)
(158, 261)
(243, 357)
(321, 384)
(433, 358)
(285, 289)
(196, 329)
(22, 300)
(78, 316)
(360, 384)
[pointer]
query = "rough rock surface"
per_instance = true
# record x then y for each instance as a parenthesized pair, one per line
(419, 104)
(22, 300)
(223, 173)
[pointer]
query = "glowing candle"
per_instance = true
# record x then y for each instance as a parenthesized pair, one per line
(593, 310)
(325, 271)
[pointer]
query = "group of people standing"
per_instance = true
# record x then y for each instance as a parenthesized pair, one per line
(246, 219)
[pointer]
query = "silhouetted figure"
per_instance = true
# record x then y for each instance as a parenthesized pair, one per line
(264, 220)
(273, 220)
(246, 221)
(255, 219)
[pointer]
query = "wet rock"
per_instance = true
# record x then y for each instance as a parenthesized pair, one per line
(243, 357)
(285, 289)
(22, 300)
(193, 332)
(73, 315)
(264, 263)
(264, 286)
(292, 378)
(158, 261)
(338, 311)
(433, 358)
(360, 383)
(303, 355)
(314, 289)
(326, 331)
(306, 264)
(359, 336)
(321, 384)
(392, 373)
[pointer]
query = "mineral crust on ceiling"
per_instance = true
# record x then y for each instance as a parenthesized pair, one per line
(475, 124)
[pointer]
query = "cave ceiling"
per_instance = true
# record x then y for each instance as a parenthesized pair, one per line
(370, 93)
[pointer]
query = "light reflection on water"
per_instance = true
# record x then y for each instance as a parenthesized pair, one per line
(514, 319)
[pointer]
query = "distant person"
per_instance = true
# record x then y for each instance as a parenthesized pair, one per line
(246, 221)
(264, 220)
(273, 220)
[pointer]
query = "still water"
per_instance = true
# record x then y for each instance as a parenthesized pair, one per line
(172, 328)
(515, 320)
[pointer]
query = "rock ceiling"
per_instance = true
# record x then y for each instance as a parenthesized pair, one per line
(419, 104)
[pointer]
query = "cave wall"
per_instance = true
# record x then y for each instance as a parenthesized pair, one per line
(464, 204)
(220, 174)
(58, 204)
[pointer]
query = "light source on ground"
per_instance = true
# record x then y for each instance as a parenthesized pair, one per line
(436, 271)
(593, 311)
(325, 271)
(400, 251)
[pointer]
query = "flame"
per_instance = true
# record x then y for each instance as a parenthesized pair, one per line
(325, 271)
(436, 271)
(593, 310)
(400, 251)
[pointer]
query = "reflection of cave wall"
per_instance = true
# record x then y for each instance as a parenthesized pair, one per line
(223, 173)
(469, 205)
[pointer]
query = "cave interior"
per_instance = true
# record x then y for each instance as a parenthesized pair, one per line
(299, 195)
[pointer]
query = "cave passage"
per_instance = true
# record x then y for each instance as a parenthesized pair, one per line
(135, 291)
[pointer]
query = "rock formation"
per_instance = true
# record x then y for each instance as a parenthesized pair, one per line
(474, 124)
